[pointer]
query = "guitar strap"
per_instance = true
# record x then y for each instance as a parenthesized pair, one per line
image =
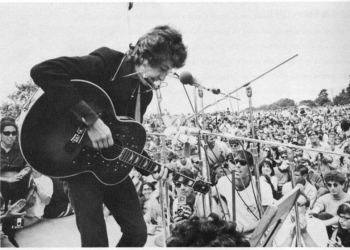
(119, 66)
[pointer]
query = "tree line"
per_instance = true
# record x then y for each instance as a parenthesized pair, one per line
(322, 99)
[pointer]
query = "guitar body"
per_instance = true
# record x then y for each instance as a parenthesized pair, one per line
(57, 144)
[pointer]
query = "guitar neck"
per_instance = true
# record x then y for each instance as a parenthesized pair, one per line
(139, 161)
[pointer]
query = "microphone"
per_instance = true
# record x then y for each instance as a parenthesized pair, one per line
(216, 91)
(186, 78)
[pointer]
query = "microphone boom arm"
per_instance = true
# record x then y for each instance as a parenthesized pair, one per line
(244, 85)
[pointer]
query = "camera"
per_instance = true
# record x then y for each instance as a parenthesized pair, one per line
(18, 223)
(183, 212)
(180, 212)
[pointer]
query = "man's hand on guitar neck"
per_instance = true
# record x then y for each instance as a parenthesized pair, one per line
(100, 135)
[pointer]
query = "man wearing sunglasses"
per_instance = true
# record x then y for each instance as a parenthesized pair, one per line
(14, 174)
(329, 203)
(246, 208)
(186, 204)
(13, 170)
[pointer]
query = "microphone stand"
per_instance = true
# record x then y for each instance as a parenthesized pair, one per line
(206, 165)
(298, 242)
(245, 85)
(255, 153)
(233, 188)
(159, 100)
(163, 185)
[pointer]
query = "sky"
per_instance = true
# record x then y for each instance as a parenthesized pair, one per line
(229, 44)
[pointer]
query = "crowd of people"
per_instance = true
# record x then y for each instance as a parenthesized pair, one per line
(323, 178)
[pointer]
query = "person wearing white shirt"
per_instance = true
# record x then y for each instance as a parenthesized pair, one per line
(246, 208)
(301, 173)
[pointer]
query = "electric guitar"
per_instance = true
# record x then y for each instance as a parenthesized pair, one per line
(57, 144)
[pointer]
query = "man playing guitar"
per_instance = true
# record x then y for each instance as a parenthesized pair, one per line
(126, 78)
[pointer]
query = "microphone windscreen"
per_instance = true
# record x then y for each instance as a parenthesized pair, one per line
(216, 91)
(186, 78)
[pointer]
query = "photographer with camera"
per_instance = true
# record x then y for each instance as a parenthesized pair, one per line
(14, 216)
(185, 204)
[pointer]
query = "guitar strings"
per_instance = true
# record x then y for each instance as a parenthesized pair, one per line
(115, 146)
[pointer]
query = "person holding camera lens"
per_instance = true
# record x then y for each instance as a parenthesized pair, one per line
(185, 203)
(11, 215)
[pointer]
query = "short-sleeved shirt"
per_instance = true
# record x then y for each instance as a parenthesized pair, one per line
(326, 203)
(246, 207)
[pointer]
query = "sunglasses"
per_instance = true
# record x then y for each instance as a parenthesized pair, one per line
(240, 161)
(344, 217)
(8, 133)
(332, 184)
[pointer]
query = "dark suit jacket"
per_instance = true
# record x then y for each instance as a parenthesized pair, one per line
(99, 67)
(54, 76)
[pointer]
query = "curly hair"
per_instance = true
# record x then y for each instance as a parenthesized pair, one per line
(202, 232)
(162, 43)
(335, 176)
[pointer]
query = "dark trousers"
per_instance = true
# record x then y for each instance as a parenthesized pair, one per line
(88, 195)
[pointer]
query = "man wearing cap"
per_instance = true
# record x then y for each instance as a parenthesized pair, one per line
(14, 176)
